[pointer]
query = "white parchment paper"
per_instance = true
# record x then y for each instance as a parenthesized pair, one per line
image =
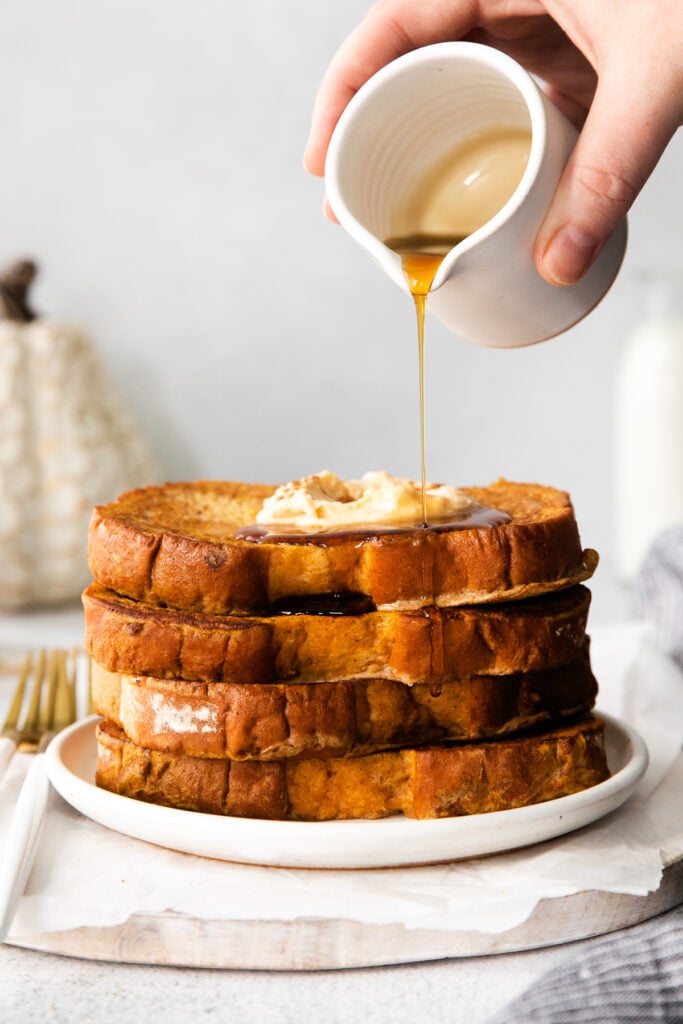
(87, 875)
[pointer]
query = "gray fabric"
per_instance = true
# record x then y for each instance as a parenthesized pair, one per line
(658, 596)
(636, 976)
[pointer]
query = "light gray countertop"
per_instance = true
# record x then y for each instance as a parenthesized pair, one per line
(37, 987)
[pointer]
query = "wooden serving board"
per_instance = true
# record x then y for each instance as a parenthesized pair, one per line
(307, 944)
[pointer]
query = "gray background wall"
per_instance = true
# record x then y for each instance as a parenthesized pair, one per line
(151, 162)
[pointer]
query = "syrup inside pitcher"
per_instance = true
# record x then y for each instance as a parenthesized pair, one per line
(463, 190)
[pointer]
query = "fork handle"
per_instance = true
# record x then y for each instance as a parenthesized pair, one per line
(22, 840)
(7, 748)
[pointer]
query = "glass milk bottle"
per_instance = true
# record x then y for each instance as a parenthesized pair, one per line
(649, 424)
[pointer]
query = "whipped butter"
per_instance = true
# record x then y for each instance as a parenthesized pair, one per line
(323, 500)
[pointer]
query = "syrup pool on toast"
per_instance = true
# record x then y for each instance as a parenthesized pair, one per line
(324, 509)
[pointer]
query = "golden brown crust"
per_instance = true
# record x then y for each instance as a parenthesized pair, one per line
(266, 722)
(428, 645)
(175, 545)
(430, 782)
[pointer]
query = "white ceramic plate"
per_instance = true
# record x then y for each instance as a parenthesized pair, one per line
(389, 842)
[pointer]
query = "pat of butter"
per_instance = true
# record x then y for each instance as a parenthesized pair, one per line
(323, 499)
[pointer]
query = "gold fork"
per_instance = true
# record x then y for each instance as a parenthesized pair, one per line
(51, 707)
(50, 678)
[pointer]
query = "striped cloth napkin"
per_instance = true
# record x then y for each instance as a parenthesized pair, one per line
(659, 593)
(637, 975)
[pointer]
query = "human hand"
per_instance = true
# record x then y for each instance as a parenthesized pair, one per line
(614, 68)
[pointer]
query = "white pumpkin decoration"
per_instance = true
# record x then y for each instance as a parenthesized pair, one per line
(66, 444)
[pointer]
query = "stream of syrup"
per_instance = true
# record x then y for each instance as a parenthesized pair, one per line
(453, 198)
(421, 257)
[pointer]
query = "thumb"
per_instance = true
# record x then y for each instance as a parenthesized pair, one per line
(619, 146)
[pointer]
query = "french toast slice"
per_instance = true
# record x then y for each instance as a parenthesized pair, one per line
(429, 645)
(177, 546)
(276, 720)
(427, 782)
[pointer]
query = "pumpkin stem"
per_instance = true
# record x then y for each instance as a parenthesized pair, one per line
(15, 282)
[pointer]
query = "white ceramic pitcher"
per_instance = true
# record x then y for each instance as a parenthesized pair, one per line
(402, 122)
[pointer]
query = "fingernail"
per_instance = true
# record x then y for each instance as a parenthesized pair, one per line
(569, 254)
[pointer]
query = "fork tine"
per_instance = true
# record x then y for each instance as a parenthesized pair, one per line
(47, 718)
(63, 708)
(12, 719)
(32, 720)
(73, 683)
(66, 695)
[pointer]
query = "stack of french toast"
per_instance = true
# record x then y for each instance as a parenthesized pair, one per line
(269, 670)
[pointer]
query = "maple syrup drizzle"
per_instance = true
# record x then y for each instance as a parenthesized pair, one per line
(421, 257)
(457, 194)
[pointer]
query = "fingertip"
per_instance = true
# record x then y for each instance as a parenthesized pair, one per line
(568, 254)
(329, 212)
(307, 161)
(314, 156)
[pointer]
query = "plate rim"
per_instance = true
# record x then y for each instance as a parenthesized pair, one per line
(378, 836)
